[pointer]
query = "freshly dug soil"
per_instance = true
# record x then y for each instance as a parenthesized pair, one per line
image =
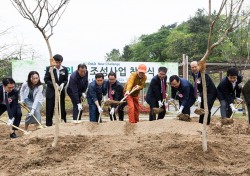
(163, 147)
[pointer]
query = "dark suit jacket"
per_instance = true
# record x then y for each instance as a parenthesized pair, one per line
(154, 91)
(225, 90)
(211, 89)
(246, 91)
(63, 78)
(117, 91)
(13, 95)
(184, 93)
(77, 86)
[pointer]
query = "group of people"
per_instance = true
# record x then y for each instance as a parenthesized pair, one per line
(100, 90)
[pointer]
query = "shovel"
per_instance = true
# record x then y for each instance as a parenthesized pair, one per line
(78, 116)
(199, 111)
(25, 132)
(25, 107)
(228, 121)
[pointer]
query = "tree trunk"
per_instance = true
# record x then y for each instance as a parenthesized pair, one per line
(204, 130)
(57, 96)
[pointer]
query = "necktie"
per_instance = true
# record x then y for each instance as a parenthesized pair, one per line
(163, 90)
(195, 86)
(7, 105)
(110, 92)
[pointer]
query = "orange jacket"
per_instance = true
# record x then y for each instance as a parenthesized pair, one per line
(134, 80)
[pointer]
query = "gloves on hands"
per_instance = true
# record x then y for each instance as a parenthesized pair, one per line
(238, 100)
(31, 113)
(160, 103)
(10, 121)
(126, 93)
(84, 95)
(198, 100)
(100, 109)
(180, 110)
(112, 111)
(79, 105)
(232, 107)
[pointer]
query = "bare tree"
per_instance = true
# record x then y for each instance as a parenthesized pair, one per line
(44, 16)
(229, 13)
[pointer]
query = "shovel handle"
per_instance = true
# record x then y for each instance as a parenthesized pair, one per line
(134, 89)
(236, 107)
(15, 126)
(25, 107)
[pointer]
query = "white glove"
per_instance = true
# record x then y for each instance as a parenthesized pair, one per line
(83, 95)
(105, 98)
(198, 100)
(79, 105)
(112, 111)
(238, 100)
(232, 107)
(160, 103)
(180, 110)
(10, 121)
(126, 94)
(31, 113)
(100, 109)
(137, 87)
(61, 87)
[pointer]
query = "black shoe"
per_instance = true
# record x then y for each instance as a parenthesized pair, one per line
(13, 135)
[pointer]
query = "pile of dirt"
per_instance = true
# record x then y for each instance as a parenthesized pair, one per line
(163, 147)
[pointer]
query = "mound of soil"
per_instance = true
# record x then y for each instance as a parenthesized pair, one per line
(163, 147)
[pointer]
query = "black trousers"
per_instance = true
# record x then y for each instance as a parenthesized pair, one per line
(120, 112)
(50, 105)
(152, 115)
(17, 114)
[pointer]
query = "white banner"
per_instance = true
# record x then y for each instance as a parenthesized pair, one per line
(20, 69)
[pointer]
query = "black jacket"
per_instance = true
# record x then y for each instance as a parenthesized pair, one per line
(13, 95)
(63, 78)
(246, 92)
(184, 93)
(77, 86)
(225, 90)
(154, 90)
(117, 91)
(211, 89)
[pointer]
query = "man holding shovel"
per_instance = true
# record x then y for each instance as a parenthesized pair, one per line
(9, 103)
(136, 81)
(77, 87)
(229, 90)
(61, 78)
(115, 92)
(95, 94)
(198, 90)
(183, 91)
(156, 95)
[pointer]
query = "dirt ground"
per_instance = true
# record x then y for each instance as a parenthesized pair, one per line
(163, 147)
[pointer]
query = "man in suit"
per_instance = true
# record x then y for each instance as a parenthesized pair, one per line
(94, 96)
(61, 78)
(229, 90)
(157, 93)
(115, 92)
(246, 94)
(77, 87)
(198, 90)
(183, 91)
(9, 102)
